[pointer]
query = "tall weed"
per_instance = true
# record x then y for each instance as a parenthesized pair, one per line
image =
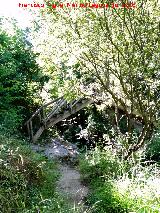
(120, 186)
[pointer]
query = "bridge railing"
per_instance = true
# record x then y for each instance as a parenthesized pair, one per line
(42, 115)
(51, 113)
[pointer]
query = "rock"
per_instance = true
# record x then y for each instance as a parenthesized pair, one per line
(37, 148)
(58, 149)
(55, 142)
(57, 152)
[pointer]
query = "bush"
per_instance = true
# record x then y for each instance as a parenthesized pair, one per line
(101, 165)
(142, 191)
(153, 147)
(10, 121)
(27, 179)
(118, 186)
(20, 77)
(107, 199)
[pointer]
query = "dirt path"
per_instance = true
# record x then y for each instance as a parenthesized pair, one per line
(70, 185)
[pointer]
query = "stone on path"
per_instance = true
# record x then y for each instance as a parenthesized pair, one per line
(58, 149)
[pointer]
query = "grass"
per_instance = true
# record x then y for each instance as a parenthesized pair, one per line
(119, 186)
(28, 180)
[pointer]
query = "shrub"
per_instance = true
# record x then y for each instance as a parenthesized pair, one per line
(153, 147)
(20, 76)
(118, 186)
(107, 199)
(10, 121)
(101, 165)
(26, 178)
(142, 191)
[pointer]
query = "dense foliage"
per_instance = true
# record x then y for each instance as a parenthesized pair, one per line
(22, 175)
(118, 185)
(20, 78)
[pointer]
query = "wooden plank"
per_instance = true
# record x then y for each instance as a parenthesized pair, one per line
(43, 106)
(55, 107)
(40, 117)
(31, 129)
(28, 130)
(55, 111)
(75, 102)
(43, 114)
(38, 134)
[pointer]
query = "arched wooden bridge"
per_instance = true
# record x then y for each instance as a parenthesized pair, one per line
(51, 113)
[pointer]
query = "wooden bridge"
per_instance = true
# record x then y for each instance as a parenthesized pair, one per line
(51, 113)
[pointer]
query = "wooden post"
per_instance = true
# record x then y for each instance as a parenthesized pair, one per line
(31, 128)
(43, 114)
(28, 130)
(40, 117)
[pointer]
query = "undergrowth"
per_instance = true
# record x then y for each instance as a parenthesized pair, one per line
(118, 186)
(28, 180)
